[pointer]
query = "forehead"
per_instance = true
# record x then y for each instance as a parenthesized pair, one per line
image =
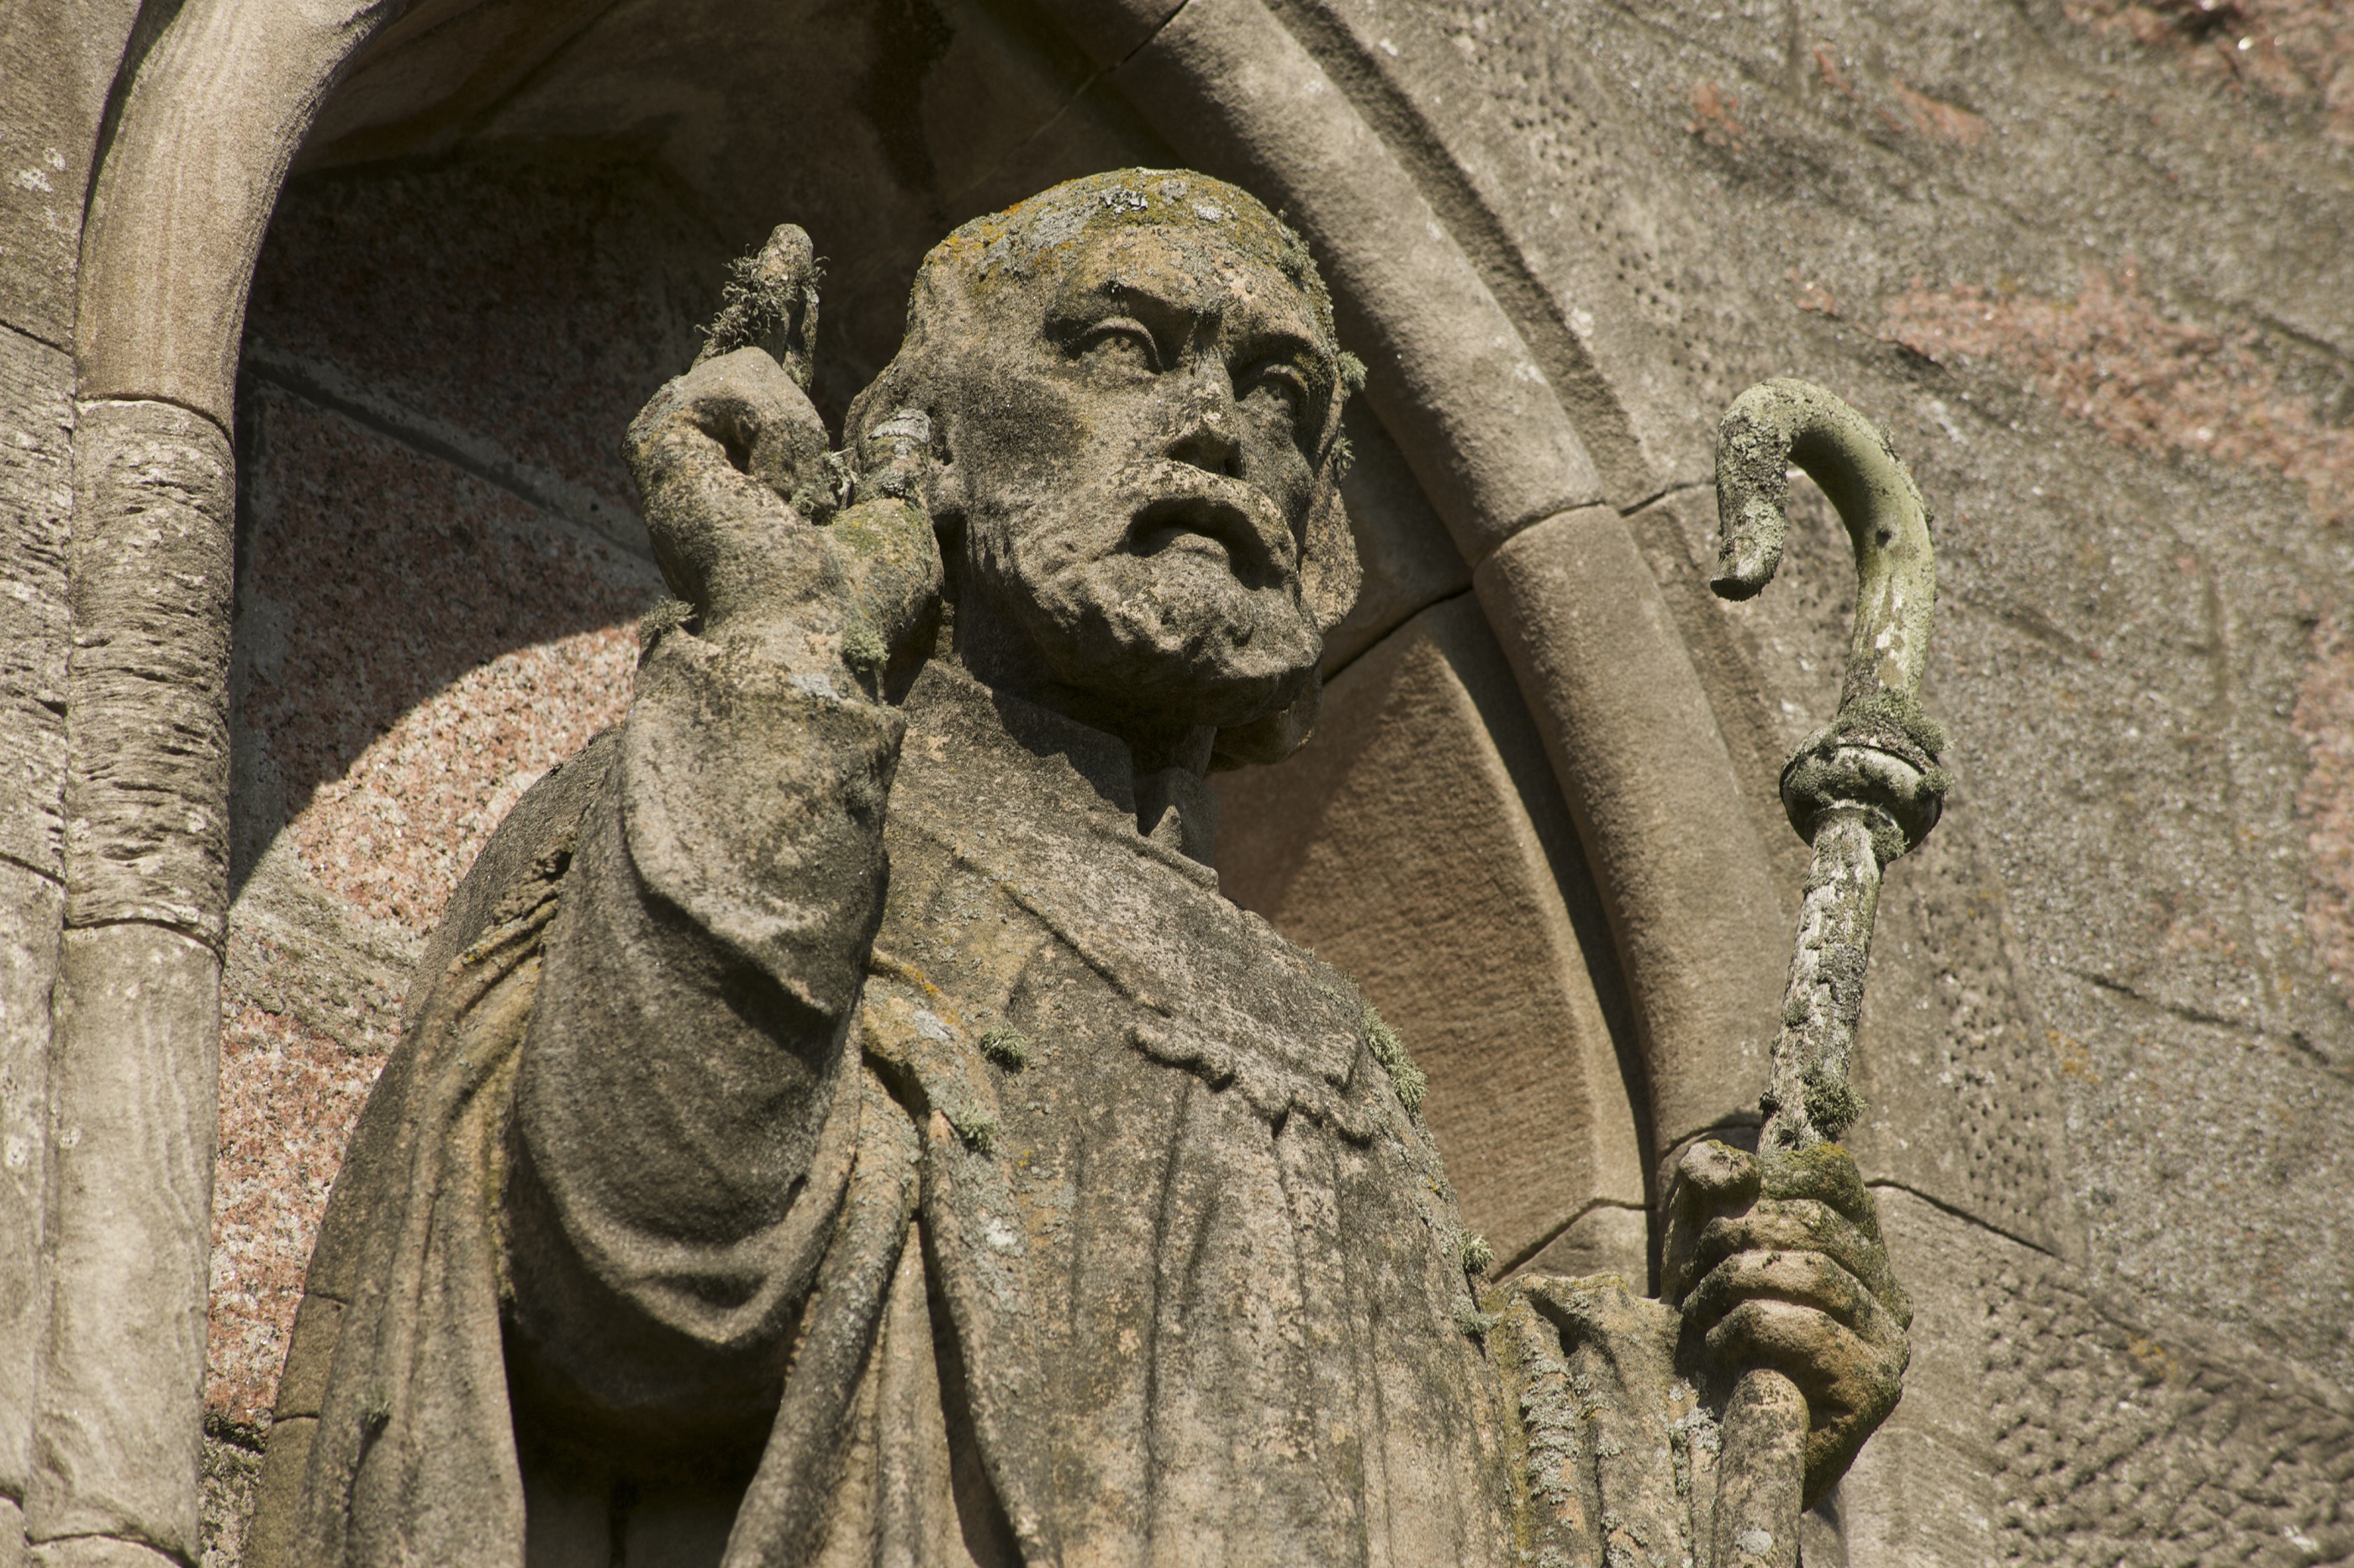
(1201, 269)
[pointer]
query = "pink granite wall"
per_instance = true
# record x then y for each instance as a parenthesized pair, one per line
(438, 579)
(2157, 380)
(437, 647)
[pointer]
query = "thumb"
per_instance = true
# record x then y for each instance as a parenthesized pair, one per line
(1709, 1179)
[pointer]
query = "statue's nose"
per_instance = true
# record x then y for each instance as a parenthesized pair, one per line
(1209, 434)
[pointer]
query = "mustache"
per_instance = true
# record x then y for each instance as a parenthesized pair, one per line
(1182, 499)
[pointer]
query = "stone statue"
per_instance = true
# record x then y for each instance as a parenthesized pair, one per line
(839, 1120)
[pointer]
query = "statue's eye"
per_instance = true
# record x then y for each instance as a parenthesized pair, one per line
(1120, 346)
(1275, 388)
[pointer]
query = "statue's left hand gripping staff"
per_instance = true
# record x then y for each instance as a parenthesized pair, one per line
(1862, 792)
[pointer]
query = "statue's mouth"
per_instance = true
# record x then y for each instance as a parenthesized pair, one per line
(1222, 526)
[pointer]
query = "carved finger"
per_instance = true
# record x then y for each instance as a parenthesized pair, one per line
(758, 421)
(770, 303)
(1714, 1174)
(1801, 1226)
(1799, 1278)
(1711, 1179)
(1829, 1451)
(1843, 1373)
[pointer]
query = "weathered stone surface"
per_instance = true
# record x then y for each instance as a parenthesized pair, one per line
(1617, 1453)
(119, 1420)
(2063, 270)
(1504, 202)
(31, 906)
(266, 1530)
(925, 116)
(1409, 561)
(1497, 452)
(374, 754)
(2060, 1426)
(203, 140)
(147, 782)
(2117, 1437)
(58, 58)
(1956, 1062)
(1779, 189)
(98, 1552)
(37, 500)
(1607, 1234)
(36, 504)
(1923, 1490)
(134, 1074)
(394, 744)
(232, 1473)
(1164, 1171)
(1408, 845)
(359, 305)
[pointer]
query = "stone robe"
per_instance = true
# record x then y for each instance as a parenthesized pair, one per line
(1095, 1233)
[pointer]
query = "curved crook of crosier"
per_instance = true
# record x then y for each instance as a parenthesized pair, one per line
(1786, 421)
(1878, 757)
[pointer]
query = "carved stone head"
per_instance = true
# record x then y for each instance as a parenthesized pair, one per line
(1134, 392)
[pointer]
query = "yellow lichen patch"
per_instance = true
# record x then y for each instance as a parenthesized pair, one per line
(2152, 1359)
(2075, 1062)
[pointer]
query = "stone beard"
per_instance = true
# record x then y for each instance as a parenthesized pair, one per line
(839, 1120)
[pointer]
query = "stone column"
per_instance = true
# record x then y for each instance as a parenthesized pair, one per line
(136, 1057)
(204, 133)
(61, 58)
(36, 508)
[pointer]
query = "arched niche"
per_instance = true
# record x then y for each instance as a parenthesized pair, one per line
(496, 241)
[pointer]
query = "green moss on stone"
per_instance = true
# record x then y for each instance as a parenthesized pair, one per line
(1006, 1047)
(1473, 1321)
(1406, 1078)
(1479, 1257)
(1831, 1106)
(976, 1127)
(1899, 711)
(863, 649)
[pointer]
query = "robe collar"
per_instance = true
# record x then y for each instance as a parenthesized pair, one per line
(1071, 765)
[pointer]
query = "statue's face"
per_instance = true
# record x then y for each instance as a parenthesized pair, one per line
(1133, 450)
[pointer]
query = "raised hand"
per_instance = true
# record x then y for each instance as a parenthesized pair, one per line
(1777, 1262)
(739, 495)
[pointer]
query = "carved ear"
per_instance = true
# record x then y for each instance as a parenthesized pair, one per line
(1328, 572)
